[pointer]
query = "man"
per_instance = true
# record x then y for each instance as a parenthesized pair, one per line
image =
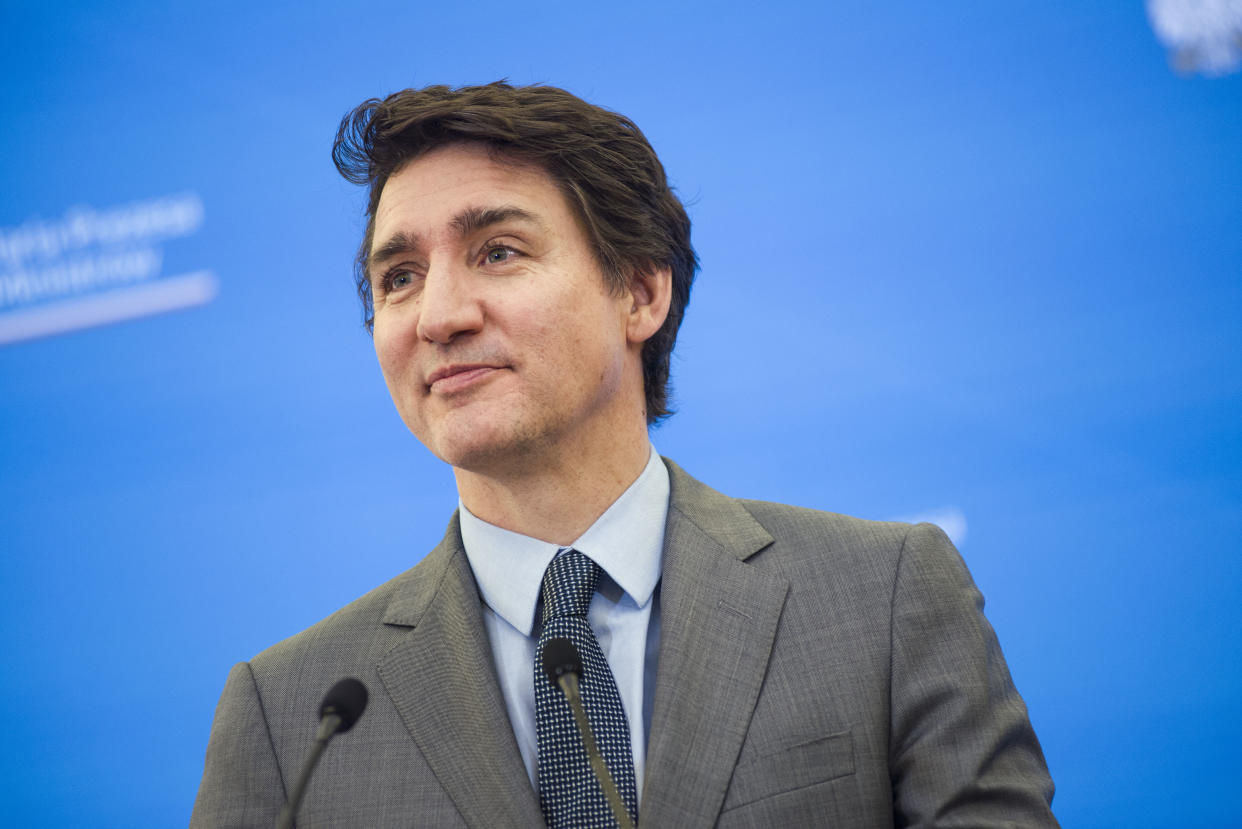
(526, 267)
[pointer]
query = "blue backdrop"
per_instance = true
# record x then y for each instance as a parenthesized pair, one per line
(973, 261)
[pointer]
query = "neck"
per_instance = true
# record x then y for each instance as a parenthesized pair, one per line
(559, 495)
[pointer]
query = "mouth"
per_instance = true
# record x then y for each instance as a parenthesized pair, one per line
(456, 378)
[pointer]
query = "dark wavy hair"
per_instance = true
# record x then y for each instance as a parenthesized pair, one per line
(601, 161)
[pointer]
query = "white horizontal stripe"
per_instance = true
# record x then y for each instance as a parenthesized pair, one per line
(156, 297)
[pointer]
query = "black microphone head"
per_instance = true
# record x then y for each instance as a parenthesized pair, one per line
(560, 657)
(347, 699)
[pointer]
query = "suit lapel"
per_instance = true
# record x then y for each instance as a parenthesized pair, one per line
(718, 624)
(443, 682)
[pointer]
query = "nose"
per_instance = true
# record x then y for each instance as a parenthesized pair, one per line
(448, 306)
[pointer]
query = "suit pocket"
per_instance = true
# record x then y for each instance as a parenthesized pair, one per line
(796, 767)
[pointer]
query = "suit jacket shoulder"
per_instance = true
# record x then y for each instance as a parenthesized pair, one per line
(434, 745)
(881, 695)
(355, 637)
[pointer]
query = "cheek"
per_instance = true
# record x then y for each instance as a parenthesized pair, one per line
(390, 351)
(383, 350)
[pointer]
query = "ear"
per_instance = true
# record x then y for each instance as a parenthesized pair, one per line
(650, 293)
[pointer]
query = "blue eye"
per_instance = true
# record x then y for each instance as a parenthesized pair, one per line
(497, 255)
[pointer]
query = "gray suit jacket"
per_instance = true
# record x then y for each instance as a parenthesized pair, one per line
(814, 670)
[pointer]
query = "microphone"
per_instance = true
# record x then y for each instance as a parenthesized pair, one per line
(346, 700)
(563, 666)
(340, 709)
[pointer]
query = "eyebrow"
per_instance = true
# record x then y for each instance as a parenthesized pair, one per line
(471, 220)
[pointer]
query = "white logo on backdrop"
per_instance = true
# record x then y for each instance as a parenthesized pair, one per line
(950, 519)
(92, 267)
(1202, 36)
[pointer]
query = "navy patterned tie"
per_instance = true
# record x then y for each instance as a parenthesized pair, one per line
(568, 791)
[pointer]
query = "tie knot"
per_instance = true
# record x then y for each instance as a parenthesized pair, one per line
(569, 584)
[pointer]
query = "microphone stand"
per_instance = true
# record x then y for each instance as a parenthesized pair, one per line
(568, 683)
(327, 729)
(340, 709)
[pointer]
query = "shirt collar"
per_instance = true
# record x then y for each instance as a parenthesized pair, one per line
(627, 542)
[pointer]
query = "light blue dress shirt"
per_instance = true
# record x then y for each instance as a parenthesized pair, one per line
(627, 542)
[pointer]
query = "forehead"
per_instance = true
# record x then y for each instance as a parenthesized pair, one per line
(427, 196)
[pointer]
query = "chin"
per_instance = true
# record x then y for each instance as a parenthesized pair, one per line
(479, 447)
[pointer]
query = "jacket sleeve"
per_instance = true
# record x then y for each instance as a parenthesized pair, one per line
(962, 750)
(242, 785)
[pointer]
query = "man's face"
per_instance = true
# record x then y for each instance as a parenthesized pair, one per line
(493, 326)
